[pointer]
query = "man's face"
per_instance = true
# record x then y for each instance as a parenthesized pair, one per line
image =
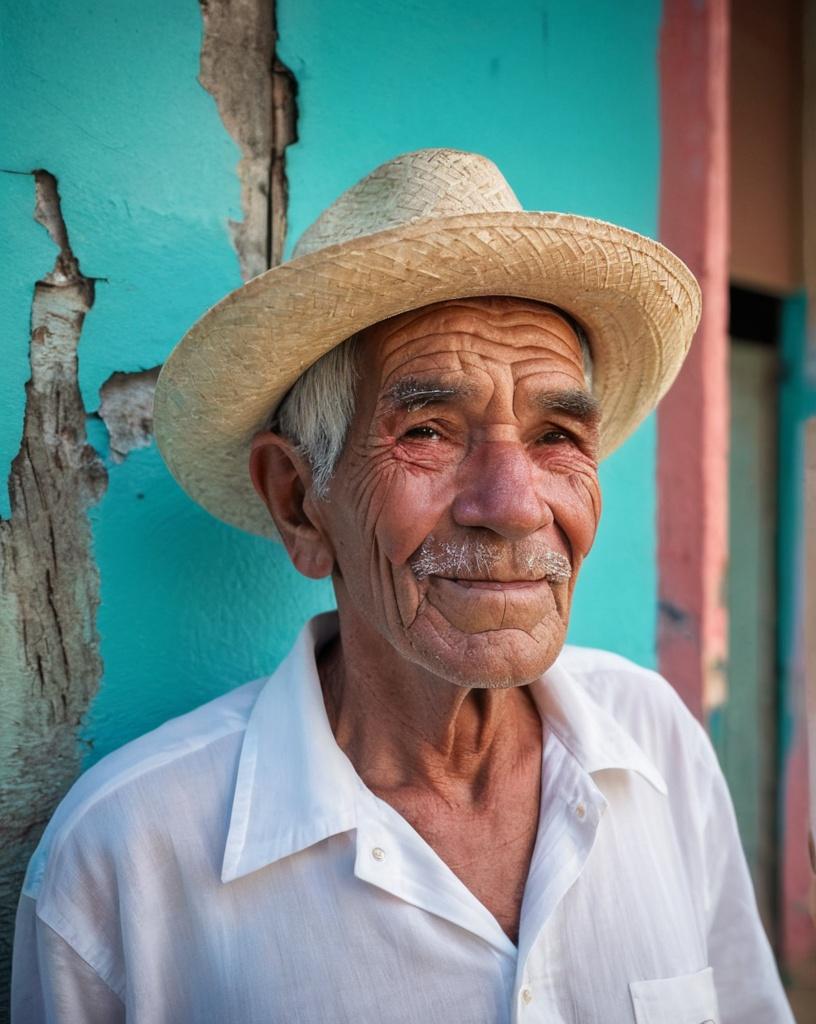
(467, 494)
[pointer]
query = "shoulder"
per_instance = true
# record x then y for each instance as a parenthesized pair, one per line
(647, 707)
(147, 784)
(622, 686)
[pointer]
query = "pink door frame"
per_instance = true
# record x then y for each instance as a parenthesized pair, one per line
(692, 423)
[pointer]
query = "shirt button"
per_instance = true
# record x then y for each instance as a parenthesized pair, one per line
(378, 853)
(580, 810)
(526, 996)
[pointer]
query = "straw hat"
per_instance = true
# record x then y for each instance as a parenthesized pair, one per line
(427, 226)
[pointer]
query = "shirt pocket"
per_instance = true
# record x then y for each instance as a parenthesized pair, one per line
(686, 999)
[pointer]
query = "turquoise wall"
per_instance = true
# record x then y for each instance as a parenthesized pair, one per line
(563, 97)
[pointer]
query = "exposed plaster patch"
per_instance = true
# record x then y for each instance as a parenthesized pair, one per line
(126, 407)
(255, 94)
(284, 133)
(50, 665)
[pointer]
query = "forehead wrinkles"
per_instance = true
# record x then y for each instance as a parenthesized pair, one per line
(508, 325)
(516, 347)
(462, 338)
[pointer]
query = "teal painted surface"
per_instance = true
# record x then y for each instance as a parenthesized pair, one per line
(563, 98)
(190, 607)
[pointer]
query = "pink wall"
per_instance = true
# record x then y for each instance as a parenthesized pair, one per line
(693, 419)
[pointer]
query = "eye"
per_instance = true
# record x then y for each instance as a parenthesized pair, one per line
(554, 437)
(423, 433)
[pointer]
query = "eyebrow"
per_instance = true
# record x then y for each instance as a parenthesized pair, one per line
(576, 403)
(411, 393)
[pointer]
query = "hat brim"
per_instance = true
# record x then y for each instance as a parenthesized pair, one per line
(638, 303)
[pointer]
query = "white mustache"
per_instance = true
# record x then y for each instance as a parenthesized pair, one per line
(472, 559)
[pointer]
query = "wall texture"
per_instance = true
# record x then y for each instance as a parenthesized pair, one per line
(133, 196)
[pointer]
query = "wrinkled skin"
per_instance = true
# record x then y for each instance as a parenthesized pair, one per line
(490, 464)
(473, 449)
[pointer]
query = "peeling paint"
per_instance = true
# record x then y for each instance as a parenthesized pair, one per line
(255, 94)
(126, 408)
(49, 658)
(284, 133)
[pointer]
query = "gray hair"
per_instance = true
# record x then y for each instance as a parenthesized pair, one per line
(317, 410)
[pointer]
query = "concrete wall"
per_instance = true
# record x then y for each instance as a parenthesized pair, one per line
(132, 199)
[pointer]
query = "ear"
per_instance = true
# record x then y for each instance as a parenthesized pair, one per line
(283, 480)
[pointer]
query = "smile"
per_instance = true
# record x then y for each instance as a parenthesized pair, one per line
(492, 584)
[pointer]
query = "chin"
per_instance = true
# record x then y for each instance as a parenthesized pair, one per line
(494, 659)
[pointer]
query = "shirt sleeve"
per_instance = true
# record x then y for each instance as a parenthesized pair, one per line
(749, 990)
(50, 982)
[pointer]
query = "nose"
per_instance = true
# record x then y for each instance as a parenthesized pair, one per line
(499, 491)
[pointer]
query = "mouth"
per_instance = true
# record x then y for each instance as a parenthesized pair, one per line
(493, 584)
(474, 565)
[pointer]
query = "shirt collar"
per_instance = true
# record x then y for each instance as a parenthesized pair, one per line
(590, 733)
(296, 787)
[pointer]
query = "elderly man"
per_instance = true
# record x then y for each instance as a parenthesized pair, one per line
(433, 811)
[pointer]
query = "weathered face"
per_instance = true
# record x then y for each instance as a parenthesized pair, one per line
(467, 494)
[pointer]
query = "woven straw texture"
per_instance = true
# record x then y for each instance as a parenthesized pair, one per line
(425, 227)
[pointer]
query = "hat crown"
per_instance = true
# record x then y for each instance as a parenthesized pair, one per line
(414, 186)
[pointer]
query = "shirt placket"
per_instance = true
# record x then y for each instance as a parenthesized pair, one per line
(571, 812)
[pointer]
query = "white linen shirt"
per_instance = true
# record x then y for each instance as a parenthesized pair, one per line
(231, 866)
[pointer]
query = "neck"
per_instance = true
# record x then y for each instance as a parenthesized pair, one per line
(404, 727)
